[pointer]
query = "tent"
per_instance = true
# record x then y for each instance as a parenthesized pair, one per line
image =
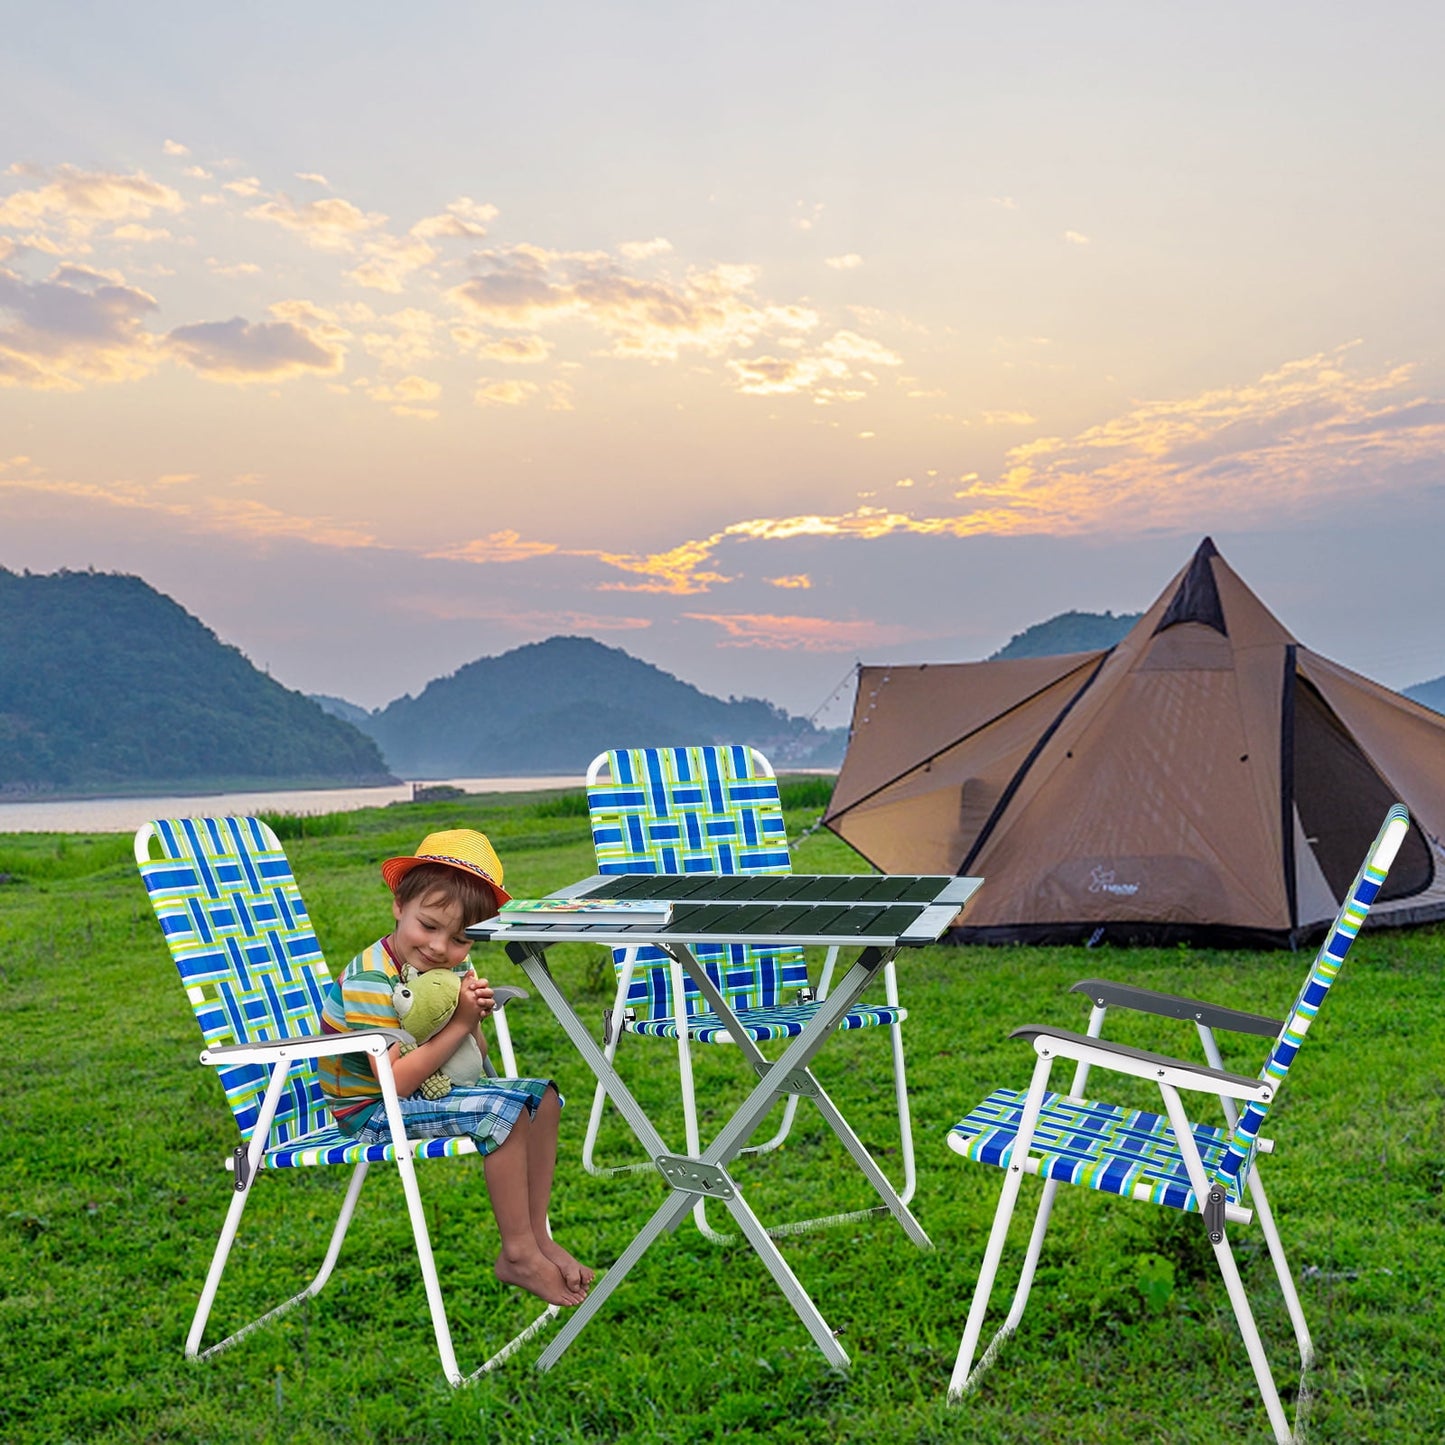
(1206, 780)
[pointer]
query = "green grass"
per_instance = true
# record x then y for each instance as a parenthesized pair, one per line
(111, 1193)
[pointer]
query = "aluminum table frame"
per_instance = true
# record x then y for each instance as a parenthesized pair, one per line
(706, 1174)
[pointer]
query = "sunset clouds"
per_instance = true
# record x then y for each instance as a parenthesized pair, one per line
(486, 323)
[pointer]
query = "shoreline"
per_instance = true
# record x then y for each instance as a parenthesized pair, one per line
(124, 813)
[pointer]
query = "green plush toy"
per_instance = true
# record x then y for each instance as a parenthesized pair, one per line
(423, 1003)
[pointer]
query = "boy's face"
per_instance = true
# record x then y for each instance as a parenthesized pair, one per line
(429, 933)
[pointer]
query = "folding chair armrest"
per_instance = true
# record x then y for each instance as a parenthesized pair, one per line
(1159, 1068)
(1167, 1005)
(306, 1046)
(505, 993)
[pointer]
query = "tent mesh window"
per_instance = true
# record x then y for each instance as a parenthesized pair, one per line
(1340, 797)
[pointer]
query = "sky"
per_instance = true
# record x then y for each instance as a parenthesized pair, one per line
(755, 339)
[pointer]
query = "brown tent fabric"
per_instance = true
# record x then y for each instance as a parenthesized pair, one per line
(1207, 780)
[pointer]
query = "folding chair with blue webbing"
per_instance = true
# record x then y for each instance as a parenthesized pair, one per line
(714, 810)
(1162, 1159)
(242, 940)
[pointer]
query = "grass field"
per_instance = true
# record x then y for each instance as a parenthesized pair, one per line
(112, 1190)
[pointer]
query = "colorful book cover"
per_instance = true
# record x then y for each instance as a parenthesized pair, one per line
(586, 910)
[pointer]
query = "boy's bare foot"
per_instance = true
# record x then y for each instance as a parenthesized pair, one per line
(538, 1275)
(576, 1276)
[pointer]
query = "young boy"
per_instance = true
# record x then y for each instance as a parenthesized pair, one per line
(453, 880)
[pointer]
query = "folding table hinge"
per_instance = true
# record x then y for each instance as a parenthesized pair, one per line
(797, 1081)
(689, 1176)
(1213, 1212)
(240, 1168)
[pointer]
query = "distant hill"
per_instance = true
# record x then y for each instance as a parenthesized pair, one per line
(108, 685)
(350, 712)
(553, 706)
(1431, 694)
(1069, 632)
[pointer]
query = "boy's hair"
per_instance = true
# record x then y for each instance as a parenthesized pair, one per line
(426, 880)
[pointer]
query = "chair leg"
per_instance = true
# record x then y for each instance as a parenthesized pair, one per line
(1282, 1270)
(223, 1250)
(599, 1094)
(1252, 1343)
(964, 1376)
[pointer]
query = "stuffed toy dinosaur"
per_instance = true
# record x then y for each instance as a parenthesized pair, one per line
(423, 1003)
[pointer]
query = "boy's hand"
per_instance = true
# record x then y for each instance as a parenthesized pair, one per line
(480, 994)
(468, 1011)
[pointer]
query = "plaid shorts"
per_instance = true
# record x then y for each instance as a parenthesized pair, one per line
(486, 1112)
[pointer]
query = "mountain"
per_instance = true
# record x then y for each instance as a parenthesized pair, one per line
(1431, 694)
(1069, 632)
(349, 712)
(108, 685)
(551, 707)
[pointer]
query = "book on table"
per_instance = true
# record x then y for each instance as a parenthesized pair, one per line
(586, 910)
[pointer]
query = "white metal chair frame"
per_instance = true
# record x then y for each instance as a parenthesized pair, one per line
(618, 1024)
(280, 1056)
(1170, 1075)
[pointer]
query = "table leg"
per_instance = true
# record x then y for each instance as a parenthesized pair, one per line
(668, 1215)
(533, 962)
(791, 1068)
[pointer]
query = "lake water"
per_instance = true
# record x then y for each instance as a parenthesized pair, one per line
(125, 815)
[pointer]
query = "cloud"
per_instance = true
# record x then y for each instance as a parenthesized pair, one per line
(1006, 203)
(330, 224)
(1076, 238)
(504, 393)
(1301, 441)
(404, 396)
(1008, 418)
(242, 351)
(313, 178)
(238, 518)
(390, 260)
(175, 148)
(132, 232)
(641, 250)
(1306, 441)
(463, 217)
(505, 546)
(527, 288)
(77, 324)
(850, 262)
(81, 200)
(828, 374)
(805, 634)
(234, 268)
(401, 340)
(519, 350)
(800, 580)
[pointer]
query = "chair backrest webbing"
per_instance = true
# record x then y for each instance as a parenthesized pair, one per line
(696, 810)
(1323, 972)
(241, 938)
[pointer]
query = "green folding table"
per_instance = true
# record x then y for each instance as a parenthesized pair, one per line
(878, 914)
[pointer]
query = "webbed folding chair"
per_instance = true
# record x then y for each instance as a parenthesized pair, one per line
(241, 938)
(1158, 1159)
(714, 810)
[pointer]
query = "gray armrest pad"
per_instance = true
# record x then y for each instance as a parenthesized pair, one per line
(1143, 1056)
(506, 993)
(1167, 1005)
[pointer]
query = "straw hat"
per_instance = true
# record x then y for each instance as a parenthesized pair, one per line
(461, 848)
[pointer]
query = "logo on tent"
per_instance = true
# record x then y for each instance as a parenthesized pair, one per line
(1105, 880)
